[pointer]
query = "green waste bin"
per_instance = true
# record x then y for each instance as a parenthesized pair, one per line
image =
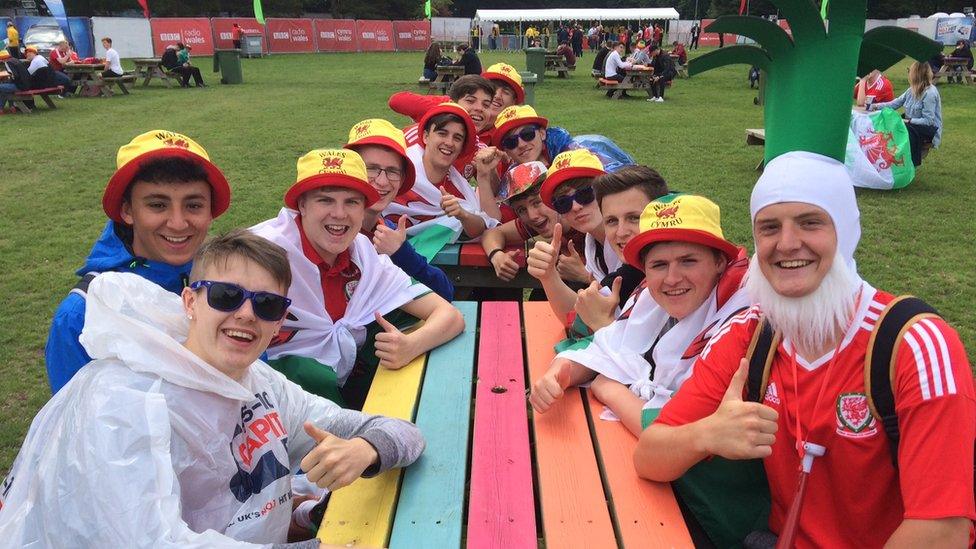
(228, 64)
(535, 61)
(528, 84)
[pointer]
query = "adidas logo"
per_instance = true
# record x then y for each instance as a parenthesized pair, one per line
(772, 394)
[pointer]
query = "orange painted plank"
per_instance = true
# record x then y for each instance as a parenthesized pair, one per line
(646, 512)
(574, 508)
(473, 255)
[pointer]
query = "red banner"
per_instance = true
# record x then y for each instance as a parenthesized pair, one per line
(711, 38)
(193, 32)
(224, 31)
(412, 35)
(290, 35)
(375, 35)
(335, 35)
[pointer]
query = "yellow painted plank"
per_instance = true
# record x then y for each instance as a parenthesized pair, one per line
(362, 513)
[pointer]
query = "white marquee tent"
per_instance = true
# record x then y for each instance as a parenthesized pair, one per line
(572, 14)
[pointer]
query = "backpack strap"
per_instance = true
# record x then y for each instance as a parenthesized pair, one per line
(760, 355)
(81, 288)
(881, 359)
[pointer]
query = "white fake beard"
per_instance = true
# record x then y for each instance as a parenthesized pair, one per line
(813, 321)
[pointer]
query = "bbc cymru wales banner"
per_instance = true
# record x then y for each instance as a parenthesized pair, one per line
(224, 31)
(194, 32)
(335, 35)
(290, 35)
(878, 153)
(412, 35)
(375, 35)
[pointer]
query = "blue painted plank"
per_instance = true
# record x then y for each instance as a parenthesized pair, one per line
(449, 255)
(432, 496)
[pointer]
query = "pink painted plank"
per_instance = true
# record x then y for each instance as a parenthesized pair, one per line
(501, 509)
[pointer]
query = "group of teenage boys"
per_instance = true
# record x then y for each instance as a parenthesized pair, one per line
(194, 378)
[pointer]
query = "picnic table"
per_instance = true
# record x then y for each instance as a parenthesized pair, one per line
(636, 78)
(585, 491)
(150, 68)
(955, 67)
(87, 77)
(446, 75)
(467, 266)
(557, 63)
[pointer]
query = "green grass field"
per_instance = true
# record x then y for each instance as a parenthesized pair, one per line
(55, 164)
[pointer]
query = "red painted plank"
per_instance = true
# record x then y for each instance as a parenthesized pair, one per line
(473, 255)
(646, 512)
(574, 509)
(501, 509)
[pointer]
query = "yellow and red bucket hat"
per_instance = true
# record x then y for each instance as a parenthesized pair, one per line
(509, 75)
(376, 131)
(161, 144)
(682, 218)
(568, 165)
(331, 168)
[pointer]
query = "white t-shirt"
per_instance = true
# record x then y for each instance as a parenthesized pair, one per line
(36, 63)
(614, 64)
(113, 62)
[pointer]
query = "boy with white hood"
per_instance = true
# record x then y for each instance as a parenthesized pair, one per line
(176, 434)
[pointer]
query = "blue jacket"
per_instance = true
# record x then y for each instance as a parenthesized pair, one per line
(63, 354)
(416, 266)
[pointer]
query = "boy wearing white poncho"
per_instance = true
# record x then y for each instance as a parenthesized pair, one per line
(342, 285)
(691, 287)
(176, 435)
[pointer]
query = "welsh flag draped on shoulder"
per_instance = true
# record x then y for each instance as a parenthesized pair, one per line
(308, 330)
(428, 227)
(878, 153)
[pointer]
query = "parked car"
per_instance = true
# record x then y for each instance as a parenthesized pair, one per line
(43, 37)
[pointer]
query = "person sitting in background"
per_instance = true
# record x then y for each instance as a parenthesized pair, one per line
(639, 56)
(183, 57)
(41, 75)
(187, 426)
(62, 55)
(678, 50)
(113, 63)
(431, 60)
(170, 61)
(962, 51)
(19, 79)
(664, 72)
(923, 109)
(567, 52)
(876, 86)
(469, 59)
(613, 68)
(599, 63)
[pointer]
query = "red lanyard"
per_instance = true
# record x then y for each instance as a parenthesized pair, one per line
(823, 383)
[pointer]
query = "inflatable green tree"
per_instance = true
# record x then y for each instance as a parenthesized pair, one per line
(810, 77)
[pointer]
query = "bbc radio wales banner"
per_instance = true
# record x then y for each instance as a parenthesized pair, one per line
(194, 32)
(412, 35)
(223, 28)
(290, 35)
(375, 35)
(335, 35)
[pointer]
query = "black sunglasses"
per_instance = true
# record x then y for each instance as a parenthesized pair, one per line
(228, 297)
(512, 141)
(565, 203)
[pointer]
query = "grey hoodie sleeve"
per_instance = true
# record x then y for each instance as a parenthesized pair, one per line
(398, 443)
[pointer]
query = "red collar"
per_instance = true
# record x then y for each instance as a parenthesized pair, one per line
(342, 260)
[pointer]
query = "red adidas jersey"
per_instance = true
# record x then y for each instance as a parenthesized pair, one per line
(855, 497)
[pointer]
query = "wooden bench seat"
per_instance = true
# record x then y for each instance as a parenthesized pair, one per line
(112, 81)
(20, 98)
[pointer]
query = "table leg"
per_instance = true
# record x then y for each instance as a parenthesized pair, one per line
(125, 91)
(47, 99)
(21, 105)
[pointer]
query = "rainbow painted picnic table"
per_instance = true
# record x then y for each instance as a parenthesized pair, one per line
(493, 473)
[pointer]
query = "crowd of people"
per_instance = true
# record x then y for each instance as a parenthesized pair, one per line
(197, 379)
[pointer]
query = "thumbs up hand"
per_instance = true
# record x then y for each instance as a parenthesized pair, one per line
(335, 462)
(738, 429)
(595, 309)
(451, 204)
(573, 266)
(394, 348)
(386, 240)
(542, 258)
(551, 386)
